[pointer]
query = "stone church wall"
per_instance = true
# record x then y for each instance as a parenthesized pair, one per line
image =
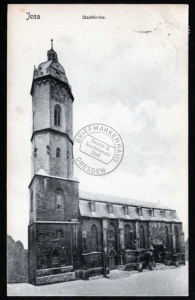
(59, 166)
(46, 199)
(32, 253)
(41, 157)
(86, 234)
(41, 102)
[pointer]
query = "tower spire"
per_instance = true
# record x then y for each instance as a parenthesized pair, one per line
(51, 54)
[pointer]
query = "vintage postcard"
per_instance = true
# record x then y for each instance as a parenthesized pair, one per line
(97, 178)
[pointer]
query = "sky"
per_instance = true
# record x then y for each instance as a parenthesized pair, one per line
(128, 71)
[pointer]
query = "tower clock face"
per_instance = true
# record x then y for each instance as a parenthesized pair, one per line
(58, 93)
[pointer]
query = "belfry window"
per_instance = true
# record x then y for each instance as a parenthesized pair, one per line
(57, 115)
(58, 152)
(59, 199)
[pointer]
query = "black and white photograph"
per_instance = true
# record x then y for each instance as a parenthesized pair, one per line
(97, 150)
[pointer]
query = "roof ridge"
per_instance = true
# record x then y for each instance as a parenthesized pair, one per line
(86, 196)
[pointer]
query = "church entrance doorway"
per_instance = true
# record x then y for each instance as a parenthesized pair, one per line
(159, 249)
(111, 258)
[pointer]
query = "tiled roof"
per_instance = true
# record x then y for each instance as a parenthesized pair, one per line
(101, 208)
(120, 200)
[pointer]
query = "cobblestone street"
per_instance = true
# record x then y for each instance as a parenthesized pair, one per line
(164, 281)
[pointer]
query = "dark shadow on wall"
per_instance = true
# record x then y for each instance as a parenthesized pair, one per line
(186, 250)
(17, 261)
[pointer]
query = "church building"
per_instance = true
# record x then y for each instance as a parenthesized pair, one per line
(75, 235)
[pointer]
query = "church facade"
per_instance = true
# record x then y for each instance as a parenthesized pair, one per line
(71, 234)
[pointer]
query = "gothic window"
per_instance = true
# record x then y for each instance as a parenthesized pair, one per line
(153, 231)
(35, 151)
(58, 152)
(48, 149)
(142, 237)
(57, 115)
(157, 230)
(128, 237)
(31, 202)
(111, 231)
(94, 238)
(111, 236)
(176, 238)
(52, 90)
(59, 199)
(166, 237)
(59, 234)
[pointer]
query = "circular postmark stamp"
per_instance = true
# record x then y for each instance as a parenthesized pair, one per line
(98, 149)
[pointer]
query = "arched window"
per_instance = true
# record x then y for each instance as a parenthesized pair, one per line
(94, 238)
(142, 237)
(57, 115)
(157, 230)
(153, 231)
(161, 230)
(128, 237)
(176, 238)
(58, 152)
(111, 236)
(111, 231)
(166, 237)
(59, 199)
(31, 202)
(55, 257)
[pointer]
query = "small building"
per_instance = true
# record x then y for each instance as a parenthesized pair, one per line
(72, 234)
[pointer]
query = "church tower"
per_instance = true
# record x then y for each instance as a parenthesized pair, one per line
(54, 199)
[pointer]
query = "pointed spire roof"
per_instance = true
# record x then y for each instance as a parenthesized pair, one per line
(51, 54)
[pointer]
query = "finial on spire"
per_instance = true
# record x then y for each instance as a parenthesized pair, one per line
(51, 54)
